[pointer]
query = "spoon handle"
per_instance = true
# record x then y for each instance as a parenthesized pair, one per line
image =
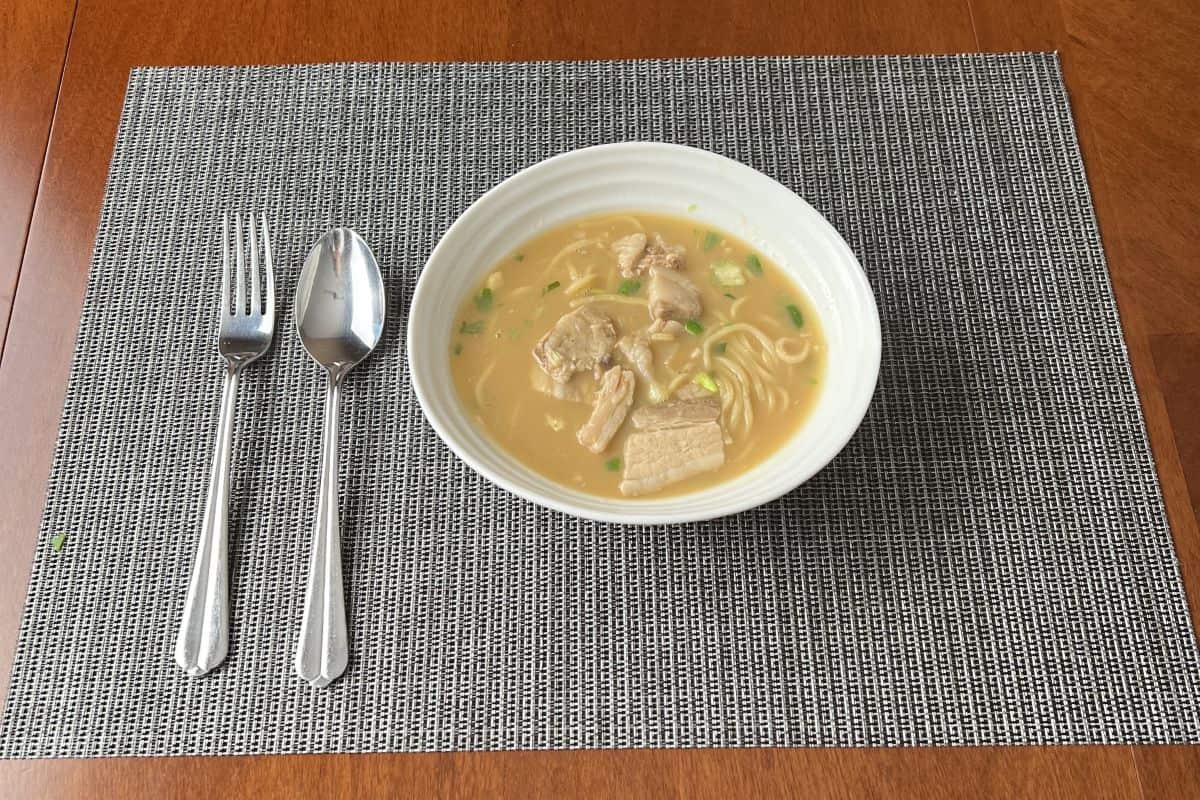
(323, 649)
(204, 631)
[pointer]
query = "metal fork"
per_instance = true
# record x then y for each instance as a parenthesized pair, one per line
(245, 334)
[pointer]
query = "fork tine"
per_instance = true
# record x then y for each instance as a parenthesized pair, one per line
(239, 292)
(270, 274)
(225, 265)
(255, 298)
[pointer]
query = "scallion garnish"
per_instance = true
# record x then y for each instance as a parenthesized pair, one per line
(706, 381)
(797, 317)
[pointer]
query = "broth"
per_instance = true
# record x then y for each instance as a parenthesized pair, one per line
(754, 350)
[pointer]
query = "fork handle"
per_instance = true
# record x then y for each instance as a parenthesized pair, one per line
(204, 632)
(324, 649)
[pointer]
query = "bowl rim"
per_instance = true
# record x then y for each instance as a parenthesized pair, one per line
(626, 511)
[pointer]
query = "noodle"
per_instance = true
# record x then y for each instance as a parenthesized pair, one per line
(729, 404)
(483, 376)
(749, 361)
(726, 395)
(582, 282)
(740, 378)
(573, 247)
(795, 357)
(737, 304)
(610, 298)
(754, 379)
(737, 327)
(742, 327)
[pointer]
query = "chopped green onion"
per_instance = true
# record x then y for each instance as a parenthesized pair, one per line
(706, 381)
(691, 207)
(613, 464)
(458, 349)
(731, 297)
(472, 328)
(727, 273)
(519, 257)
(711, 240)
(719, 348)
(57, 541)
(484, 300)
(693, 327)
(813, 381)
(551, 287)
(797, 317)
(753, 264)
(629, 287)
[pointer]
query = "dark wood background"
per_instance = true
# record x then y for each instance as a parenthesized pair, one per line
(1132, 68)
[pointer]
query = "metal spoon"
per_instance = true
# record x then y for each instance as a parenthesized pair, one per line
(339, 317)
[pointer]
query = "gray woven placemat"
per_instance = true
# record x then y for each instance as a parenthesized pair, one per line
(987, 562)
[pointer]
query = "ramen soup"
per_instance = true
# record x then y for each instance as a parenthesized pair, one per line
(634, 354)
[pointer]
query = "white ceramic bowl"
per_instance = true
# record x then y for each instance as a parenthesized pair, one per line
(669, 179)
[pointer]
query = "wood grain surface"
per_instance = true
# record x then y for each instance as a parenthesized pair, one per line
(1130, 66)
(33, 45)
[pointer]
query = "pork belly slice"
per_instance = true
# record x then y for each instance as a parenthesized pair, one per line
(659, 458)
(677, 413)
(613, 400)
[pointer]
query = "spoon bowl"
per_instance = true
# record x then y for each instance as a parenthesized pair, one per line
(340, 300)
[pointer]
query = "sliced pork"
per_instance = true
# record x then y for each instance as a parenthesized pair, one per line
(692, 391)
(665, 327)
(580, 341)
(672, 296)
(677, 413)
(659, 458)
(636, 349)
(613, 400)
(628, 250)
(661, 255)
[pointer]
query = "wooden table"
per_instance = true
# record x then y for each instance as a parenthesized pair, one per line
(1132, 69)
